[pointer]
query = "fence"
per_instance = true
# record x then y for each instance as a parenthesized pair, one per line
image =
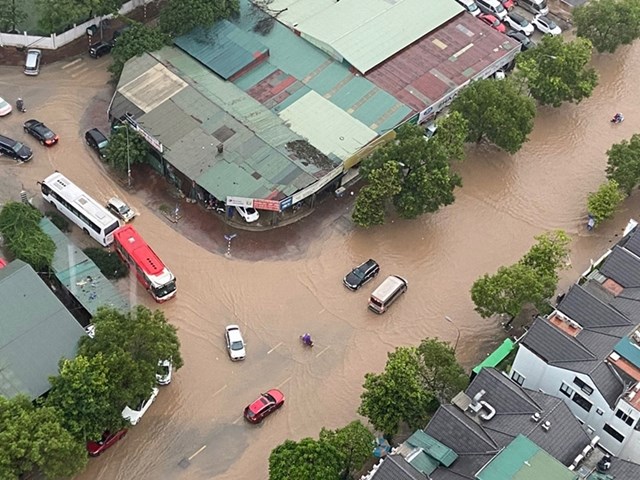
(56, 41)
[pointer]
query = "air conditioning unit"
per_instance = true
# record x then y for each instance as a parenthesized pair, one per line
(546, 426)
(535, 417)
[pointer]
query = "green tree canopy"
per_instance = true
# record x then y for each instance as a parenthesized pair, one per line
(440, 371)
(549, 255)
(608, 23)
(57, 15)
(20, 226)
(510, 289)
(397, 395)
(12, 14)
(181, 16)
(557, 71)
(34, 438)
(412, 172)
(126, 148)
(135, 41)
(307, 459)
(497, 111)
(623, 164)
(353, 444)
(602, 203)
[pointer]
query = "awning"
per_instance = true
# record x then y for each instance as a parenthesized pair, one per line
(496, 356)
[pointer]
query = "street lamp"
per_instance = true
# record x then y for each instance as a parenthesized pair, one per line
(448, 319)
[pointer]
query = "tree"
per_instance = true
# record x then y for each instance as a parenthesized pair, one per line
(623, 164)
(108, 262)
(384, 183)
(12, 14)
(602, 204)
(307, 459)
(179, 17)
(135, 41)
(16, 216)
(33, 437)
(397, 395)
(496, 111)
(100, 8)
(353, 444)
(550, 254)
(608, 23)
(557, 71)
(126, 148)
(510, 289)
(84, 396)
(57, 15)
(440, 371)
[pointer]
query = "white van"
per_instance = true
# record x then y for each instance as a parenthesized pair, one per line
(471, 7)
(32, 62)
(387, 293)
(534, 6)
(492, 7)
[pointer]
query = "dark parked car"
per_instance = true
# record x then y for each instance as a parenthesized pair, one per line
(96, 140)
(527, 43)
(40, 132)
(96, 50)
(14, 149)
(361, 274)
(107, 440)
(265, 405)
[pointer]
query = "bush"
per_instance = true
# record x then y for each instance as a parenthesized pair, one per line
(59, 221)
(108, 262)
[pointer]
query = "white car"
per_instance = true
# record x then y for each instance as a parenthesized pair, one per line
(90, 330)
(519, 23)
(5, 107)
(249, 214)
(163, 377)
(546, 25)
(235, 343)
(120, 209)
(134, 416)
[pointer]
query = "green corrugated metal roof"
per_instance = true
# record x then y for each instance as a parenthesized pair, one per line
(628, 350)
(80, 275)
(440, 452)
(36, 331)
(224, 48)
(496, 356)
(524, 460)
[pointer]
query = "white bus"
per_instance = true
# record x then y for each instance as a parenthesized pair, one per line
(80, 208)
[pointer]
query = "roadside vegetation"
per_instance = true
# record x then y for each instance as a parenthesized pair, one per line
(126, 148)
(608, 24)
(108, 262)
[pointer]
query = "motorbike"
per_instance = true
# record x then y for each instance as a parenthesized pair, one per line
(306, 340)
(20, 105)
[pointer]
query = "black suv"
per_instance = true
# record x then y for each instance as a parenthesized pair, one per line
(96, 140)
(361, 274)
(98, 49)
(14, 149)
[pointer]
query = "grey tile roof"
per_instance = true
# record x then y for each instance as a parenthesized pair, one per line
(553, 345)
(395, 467)
(632, 243)
(582, 307)
(623, 267)
(623, 469)
(473, 439)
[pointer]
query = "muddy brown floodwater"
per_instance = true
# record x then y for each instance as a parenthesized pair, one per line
(505, 201)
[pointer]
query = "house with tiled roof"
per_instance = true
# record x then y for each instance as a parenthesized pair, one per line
(587, 351)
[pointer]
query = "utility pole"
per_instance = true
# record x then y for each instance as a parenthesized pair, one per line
(128, 159)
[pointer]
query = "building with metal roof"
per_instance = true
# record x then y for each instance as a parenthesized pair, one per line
(79, 276)
(364, 33)
(36, 332)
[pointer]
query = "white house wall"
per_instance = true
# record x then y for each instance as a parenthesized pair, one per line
(548, 378)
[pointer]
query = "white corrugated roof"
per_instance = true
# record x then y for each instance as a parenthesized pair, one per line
(365, 32)
(332, 131)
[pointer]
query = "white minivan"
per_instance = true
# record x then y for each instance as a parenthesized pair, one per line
(534, 6)
(387, 293)
(492, 7)
(471, 7)
(32, 62)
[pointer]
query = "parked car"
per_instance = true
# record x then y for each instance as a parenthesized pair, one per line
(118, 33)
(14, 149)
(519, 23)
(493, 22)
(107, 440)
(546, 25)
(32, 62)
(471, 7)
(508, 4)
(90, 330)
(249, 214)
(265, 405)
(120, 209)
(135, 414)
(98, 49)
(96, 140)
(163, 375)
(527, 43)
(40, 132)
(5, 107)
(361, 274)
(235, 342)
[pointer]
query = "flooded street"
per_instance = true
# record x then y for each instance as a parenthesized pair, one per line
(289, 281)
